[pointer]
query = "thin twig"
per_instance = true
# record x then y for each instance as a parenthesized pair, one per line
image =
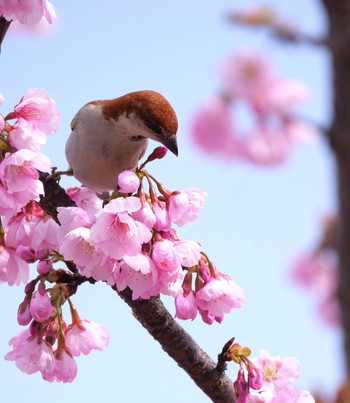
(282, 31)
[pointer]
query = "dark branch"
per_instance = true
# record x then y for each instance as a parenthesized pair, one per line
(181, 347)
(221, 366)
(282, 31)
(55, 196)
(339, 36)
(4, 26)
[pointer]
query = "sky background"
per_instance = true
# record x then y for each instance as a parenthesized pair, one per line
(254, 221)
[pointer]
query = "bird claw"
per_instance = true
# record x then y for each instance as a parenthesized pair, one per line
(56, 175)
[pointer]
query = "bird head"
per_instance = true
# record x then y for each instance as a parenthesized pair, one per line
(150, 116)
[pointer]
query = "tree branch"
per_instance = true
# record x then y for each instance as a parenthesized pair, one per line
(55, 196)
(281, 30)
(339, 37)
(180, 346)
(4, 26)
(155, 318)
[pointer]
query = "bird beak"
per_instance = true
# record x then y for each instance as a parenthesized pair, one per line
(170, 143)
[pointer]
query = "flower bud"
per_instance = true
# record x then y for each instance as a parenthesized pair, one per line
(30, 287)
(255, 378)
(128, 182)
(24, 316)
(44, 266)
(26, 253)
(40, 305)
(158, 153)
(241, 387)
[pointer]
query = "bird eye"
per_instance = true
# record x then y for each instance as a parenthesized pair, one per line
(156, 128)
(136, 138)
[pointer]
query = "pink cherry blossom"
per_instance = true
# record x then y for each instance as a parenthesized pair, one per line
(65, 368)
(328, 308)
(303, 397)
(162, 217)
(157, 154)
(39, 110)
(40, 305)
(188, 251)
(247, 75)
(108, 272)
(186, 306)
(265, 146)
(13, 270)
(241, 387)
(255, 379)
(278, 376)
(317, 272)
(85, 198)
(297, 130)
(145, 215)
(278, 373)
(164, 255)
(31, 354)
(49, 12)
(289, 396)
(89, 258)
(84, 336)
(213, 129)
(44, 266)
(128, 182)
(26, 253)
(116, 232)
(31, 228)
(22, 135)
(219, 296)
(71, 218)
(285, 95)
(77, 247)
(24, 317)
(27, 11)
(140, 274)
(19, 179)
(185, 206)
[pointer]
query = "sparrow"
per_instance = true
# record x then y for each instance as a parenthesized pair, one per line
(110, 136)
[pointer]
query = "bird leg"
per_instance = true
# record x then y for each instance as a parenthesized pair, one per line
(56, 175)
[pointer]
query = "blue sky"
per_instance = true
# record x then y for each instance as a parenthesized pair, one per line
(254, 219)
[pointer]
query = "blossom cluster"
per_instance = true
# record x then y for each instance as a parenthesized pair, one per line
(27, 12)
(317, 272)
(28, 234)
(266, 379)
(49, 346)
(248, 80)
(128, 240)
(132, 243)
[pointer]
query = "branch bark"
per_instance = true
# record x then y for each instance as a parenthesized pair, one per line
(282, 31)
(339, 40)
(155, 318)
(180, 346)
(4, 26)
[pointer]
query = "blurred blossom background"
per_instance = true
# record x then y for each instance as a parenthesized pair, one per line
(266, 211)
